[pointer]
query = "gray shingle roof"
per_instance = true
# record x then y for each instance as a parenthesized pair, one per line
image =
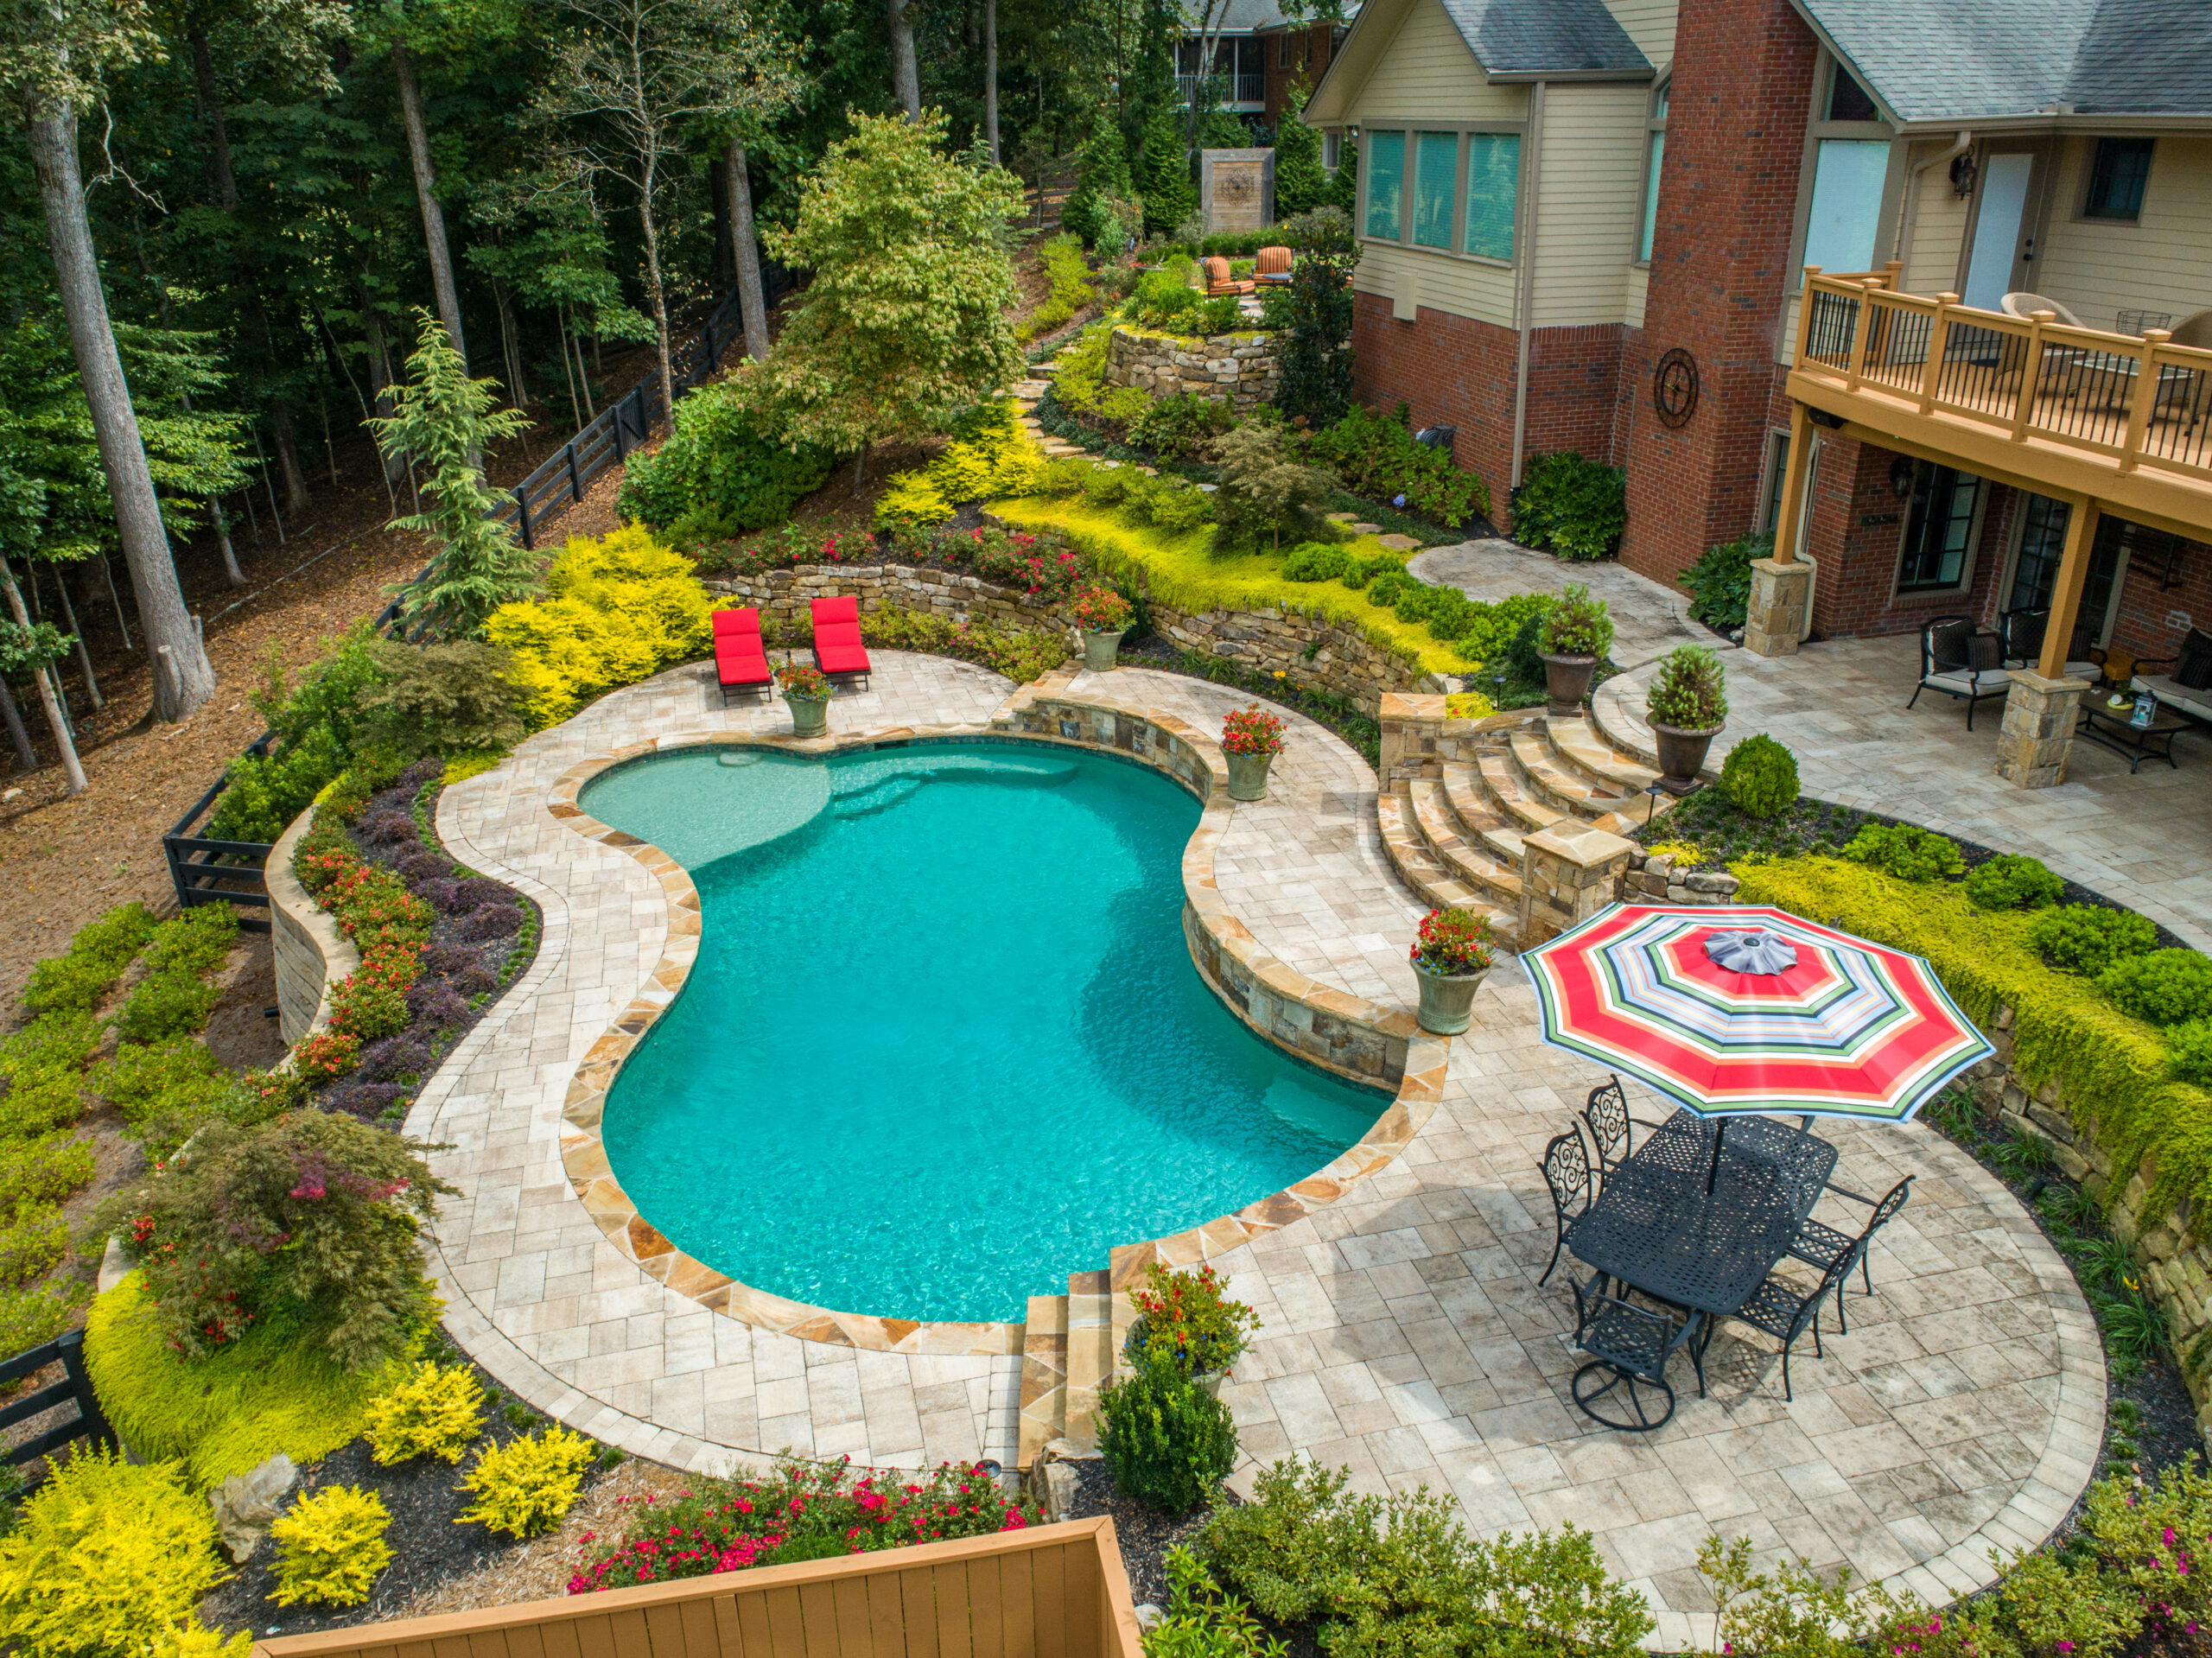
(1530, 37)
(1939, 60)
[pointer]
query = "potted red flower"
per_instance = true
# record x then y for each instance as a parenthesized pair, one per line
(1251, 737)
(1103, 616)
(806, 694)
(1452, 958)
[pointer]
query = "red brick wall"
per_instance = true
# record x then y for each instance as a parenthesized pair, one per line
(1575, 393)
(1451, 371)
(2140, 624)
(1853, 532)
(1309, 55)
(1727, 198)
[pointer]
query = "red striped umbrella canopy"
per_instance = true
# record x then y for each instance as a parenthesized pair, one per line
(1853, 1029)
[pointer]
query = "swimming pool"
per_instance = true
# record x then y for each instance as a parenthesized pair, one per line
(944, 1044)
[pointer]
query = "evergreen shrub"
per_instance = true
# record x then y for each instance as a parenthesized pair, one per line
(2161, 986)
(435, 1412)
(1571, 506)
(1759, 777)
(1375, 455)
(1166, 1441)
(330, 1546)
(1719, 583)
(526, 1486)
(2088, 938)
(727, 467)
(2009, 882)
(1904, 850)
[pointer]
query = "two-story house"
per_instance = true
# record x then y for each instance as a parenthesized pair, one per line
(1588, 223)
(1259, 54)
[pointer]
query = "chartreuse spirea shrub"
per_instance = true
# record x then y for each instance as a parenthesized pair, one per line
(1905, 850)
(2012, 882)
(526, 1486)
(990, 453)
(1759, 777)
(103, 950)
(2090, 937)
(617, 609)
(275, 1387)
(105, 1557)
(435, 1412)
(2161, 986)
(330, 1546)
(1166, 1441)
(2113, 1071)
(727, 468)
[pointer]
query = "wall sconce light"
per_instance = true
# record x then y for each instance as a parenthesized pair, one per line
(1962, 175)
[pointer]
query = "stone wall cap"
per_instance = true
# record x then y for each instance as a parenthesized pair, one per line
(2036, 682)
(1583, 844)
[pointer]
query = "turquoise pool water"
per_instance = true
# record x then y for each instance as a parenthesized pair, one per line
(944, 1043)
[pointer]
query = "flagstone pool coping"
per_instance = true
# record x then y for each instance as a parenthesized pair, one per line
(1291, 1009)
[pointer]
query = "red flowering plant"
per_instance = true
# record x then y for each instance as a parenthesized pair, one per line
(798, 1511)
(372, 1000)
(1454, 942)
(1100, 610)
(1188, 1318)
(327, 1055)
(803, 680)
(1251, 731)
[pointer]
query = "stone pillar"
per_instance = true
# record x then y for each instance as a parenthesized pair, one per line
(1774, 621)
(2036, 737)
(1411, 725)
(1568, 873)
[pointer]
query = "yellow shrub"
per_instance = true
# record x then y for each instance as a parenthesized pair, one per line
(994, 456)
(193, 1639)
(106, 1557)
(433, 1414)
(911, 498)
(524, 1488)
(330, 1547)
(617, 610)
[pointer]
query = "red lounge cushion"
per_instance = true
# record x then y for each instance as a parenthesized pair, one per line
(839, 655)
(844, 608)
(740, 667)
(738, 624)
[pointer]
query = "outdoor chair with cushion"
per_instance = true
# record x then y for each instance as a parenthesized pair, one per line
(741, 660)
(1272, 268)
(837, 648)
(1961, 660)
(1823, 1246)
(1218, 281)
(1566, 1171)
(2188, 688)
(1611, 1128)
(1784, 1311)
(2026, 305)
(1629, 1347)
(2022, 632)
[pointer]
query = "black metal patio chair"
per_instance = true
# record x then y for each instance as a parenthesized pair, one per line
(1784, 1311)
(1822, 1246)
(1566, 1171)
(1629, 1348)
(1960, 661)
(1611, 1128)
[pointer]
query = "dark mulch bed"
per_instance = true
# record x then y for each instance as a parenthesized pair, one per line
(1145, 1534)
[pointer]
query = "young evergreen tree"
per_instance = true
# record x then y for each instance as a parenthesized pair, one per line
(1105, 179)
(1166, 185)
(1301, 183)
(442, 422)
(1317, 361)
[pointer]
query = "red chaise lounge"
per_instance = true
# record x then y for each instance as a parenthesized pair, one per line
(741, 662)
(837, 648)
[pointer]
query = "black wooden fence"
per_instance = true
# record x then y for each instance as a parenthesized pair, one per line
(74, 1387)
(209, 871)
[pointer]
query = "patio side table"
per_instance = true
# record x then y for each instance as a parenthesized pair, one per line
(2115, 729)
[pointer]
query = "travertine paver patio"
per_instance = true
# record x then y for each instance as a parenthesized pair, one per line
(1405, 1334)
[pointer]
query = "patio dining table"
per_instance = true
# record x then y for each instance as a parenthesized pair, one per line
(1669, 1222)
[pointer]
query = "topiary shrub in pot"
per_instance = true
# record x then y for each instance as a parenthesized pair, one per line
(1759, 777)
(1451, 958)
(1686, 704)
(1573, 638)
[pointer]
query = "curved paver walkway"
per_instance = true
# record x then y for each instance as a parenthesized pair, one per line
(1405, 1335)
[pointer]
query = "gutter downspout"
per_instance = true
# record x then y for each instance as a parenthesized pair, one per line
(1908, 214)
(1525, 293)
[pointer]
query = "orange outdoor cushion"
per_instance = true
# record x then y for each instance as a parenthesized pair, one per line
(1273, 262)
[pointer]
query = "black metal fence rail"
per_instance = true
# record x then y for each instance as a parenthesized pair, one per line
(205, 870)
(75, 1388)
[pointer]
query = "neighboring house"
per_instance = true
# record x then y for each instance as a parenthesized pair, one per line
(1558, 194)
(1259, 55)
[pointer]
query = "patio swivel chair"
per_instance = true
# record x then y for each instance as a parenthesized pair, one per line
(1629, 1347)
(1961, 660)
(1785, 1311)
(1272, 267)
(1566, 1171)
(1823, 1246)
(1611, 1128)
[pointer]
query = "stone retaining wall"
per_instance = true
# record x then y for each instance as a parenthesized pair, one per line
(311, 955)
(1242, 367)
(786, 595)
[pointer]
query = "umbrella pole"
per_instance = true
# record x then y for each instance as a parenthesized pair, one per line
(1712, 1172)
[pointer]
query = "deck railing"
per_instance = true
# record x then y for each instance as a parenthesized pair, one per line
(2141, 401)
(1051, 1592)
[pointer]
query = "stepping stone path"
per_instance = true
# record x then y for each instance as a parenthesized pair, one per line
(1400, 543)
(1367, 529)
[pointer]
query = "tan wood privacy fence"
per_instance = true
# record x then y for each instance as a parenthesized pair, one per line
(1048, 1592)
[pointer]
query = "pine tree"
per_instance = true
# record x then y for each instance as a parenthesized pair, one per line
(1317, 361)
(1169, 198)
(1105, 179)
(1300, 183)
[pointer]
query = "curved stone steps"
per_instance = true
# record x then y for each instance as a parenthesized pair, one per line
(1470, 861)
(1507, 788)
(1420, 868)
(1481, 819)
(1608, 808)
(1578, 742)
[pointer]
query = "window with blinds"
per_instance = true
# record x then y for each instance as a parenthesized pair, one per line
(1386, 185)
(1436, 163)
(1493, 188)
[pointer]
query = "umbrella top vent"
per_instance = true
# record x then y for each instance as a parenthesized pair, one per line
(1751, 950)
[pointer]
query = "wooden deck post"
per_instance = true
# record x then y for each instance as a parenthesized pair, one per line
(2066, 596)
(1791, 510)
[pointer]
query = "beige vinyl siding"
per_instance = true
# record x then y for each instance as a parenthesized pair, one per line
(1650, 24)
(1931, 263)
(1426, 74)
(1785, 332)
(1639, 284)
(2163, 262)
(1586, 208)
(1463, 287)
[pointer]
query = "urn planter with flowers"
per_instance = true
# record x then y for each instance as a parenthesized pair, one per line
(1451, 958)
(1186, 1320)
(1102, 615)
(1687, 704)
(806, 694)
(1250, 740)
(1573, 640)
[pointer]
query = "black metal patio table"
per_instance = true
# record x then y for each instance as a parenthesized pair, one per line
(1656, 1225)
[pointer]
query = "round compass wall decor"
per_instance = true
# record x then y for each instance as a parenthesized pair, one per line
(1674, 388)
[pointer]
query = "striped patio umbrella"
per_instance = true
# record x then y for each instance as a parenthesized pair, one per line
(1845, 1029)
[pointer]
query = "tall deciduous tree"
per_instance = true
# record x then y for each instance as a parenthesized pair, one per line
(426, 194)
(52, 58)
(744, 245)
(905, 69)
(905, 315)
(633, 73)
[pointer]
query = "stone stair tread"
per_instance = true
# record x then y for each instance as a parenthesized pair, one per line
(1579, 743)
(1413, 861)
(1469, 860)
(1044, 1376)
(1089, 1355)
(1530, 815)
(1482, 818)
(1560, 787)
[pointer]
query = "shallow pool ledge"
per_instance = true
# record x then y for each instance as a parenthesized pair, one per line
(1331, 1029)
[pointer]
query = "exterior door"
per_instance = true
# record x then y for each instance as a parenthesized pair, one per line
(2001, 255)
(2043, 542)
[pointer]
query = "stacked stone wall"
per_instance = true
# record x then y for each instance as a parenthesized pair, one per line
(1242, 367)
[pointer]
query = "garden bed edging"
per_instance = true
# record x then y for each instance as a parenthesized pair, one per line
(311, 954)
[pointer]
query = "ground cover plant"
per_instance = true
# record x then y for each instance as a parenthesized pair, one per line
(1571, 506)
(1072, 287)
(1375, 455)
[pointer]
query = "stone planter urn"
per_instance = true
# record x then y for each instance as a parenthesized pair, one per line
(1567, 682)
(810, 714)
(1681, 754)
(1248, 776)
(1447, 1000)
(1100, 649)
